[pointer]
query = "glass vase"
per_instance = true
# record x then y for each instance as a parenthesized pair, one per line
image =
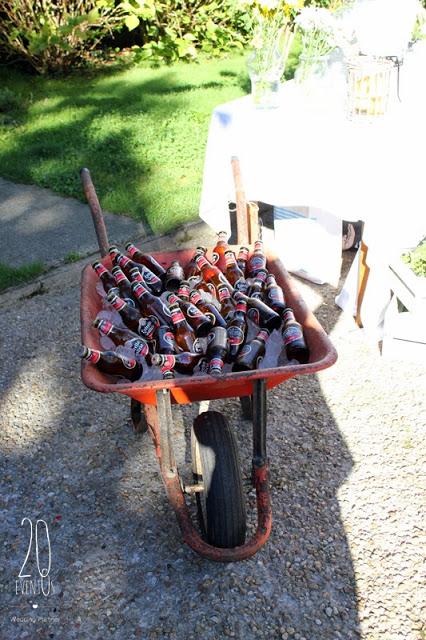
(265, 69)
(311, 71)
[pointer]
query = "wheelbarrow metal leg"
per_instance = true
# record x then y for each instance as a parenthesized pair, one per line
(259, 423)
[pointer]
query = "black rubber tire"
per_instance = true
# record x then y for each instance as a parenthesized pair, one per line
(246, 407)
(221, 506)
(137, 415)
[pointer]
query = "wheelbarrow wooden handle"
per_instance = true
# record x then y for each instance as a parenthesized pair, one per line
(241, 202)
(96, 211)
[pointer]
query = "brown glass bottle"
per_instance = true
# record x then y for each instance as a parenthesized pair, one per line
(123, 337)
(180, 362)
(107, 279)
(252, 353)
(211, 273)
(133, 318)
(274, 295)
(184, 335)
(165, 341)
(209, 310)
(145, 259)
(200, 323)
(259, 312)
(174, 276)
(242, 259)
(150, 279)
(112, 363)
(226, 305)
(192, 272)
(218, 254)
(150, 305)
(217, 350)
(124, 286)
(294, 341)
(258, 284)
(233, 272)
(237, 330)
(257, 260)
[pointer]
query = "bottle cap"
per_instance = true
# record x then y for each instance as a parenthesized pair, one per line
(96, 322)
(83, 351)
(128, 244)
(157, 359)
(113, 249)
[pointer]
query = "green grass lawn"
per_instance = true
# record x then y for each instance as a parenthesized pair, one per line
(141, 131)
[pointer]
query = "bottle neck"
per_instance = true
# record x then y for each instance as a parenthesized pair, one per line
(117, 303)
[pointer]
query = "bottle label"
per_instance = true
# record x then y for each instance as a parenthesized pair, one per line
(105, 327)
(261, 276)
(241, 285)
(291, 334)
(167, 362)
(275, 294)
(235, 335)
(131, 249)
(262, 335)
(168, 339)
(223, 294)
(254, 315)
(93, 356)
(177, 315)
(257, 263)
(230, 259)
(216, 364)
(200, 345)
(136, 275)
(243, 253)
(183, 291)
(123, 261)
(195, 297)
(244, 351)
(119, 276)
(193, 312)
(140, 290)
(172, 298)
(129, 363)
(215, 257)
(149, 277)
(288, 315)
(241, 306)
(201, 261)
(193, 280)
(147, 328)
(140, 347)
(117, 303)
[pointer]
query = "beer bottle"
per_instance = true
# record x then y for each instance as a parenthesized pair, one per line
(183, 290)
(174, 276)
(274, 295)
(237, 330)
(130, 315)
(209, 310)
(216, 350)
(136, 276)
(123, 286)
(251, 355)
(145, 259)
(218, 255)
(226, 305)
(242, 259)
(180, 362)
(294, 342)
(108, 281)
(165, 341)
(113, 363)
(259, 312)
(192, 271)
(184, 335)
(257, 260)
(150, 279)
(151, 306)
(257, 284)
(211, 273)
(207, 287)
(123, 337)
(200, 323)
(233, 272)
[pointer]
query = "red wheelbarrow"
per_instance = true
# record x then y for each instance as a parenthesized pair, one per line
(215, 462)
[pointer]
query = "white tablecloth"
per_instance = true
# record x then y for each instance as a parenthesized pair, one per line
(307, 153)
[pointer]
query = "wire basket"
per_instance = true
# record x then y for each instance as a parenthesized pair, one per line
(369, 80)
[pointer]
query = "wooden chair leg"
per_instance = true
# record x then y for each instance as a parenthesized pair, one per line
(363, 272)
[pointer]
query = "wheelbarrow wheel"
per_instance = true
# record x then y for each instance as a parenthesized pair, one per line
(221, 505)
(137, 415)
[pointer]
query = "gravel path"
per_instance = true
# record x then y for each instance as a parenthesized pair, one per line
(346, 556)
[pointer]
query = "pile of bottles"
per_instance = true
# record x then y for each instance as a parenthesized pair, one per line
(178, 318)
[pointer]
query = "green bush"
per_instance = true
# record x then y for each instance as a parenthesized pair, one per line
(175, 30)
(416, 259)
(54, 35)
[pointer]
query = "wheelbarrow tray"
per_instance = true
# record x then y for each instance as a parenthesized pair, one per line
(197, 388)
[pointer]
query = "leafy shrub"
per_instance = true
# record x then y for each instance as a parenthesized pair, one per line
(9, 101)
(53, 35)
(173, 30)
(416, 259)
